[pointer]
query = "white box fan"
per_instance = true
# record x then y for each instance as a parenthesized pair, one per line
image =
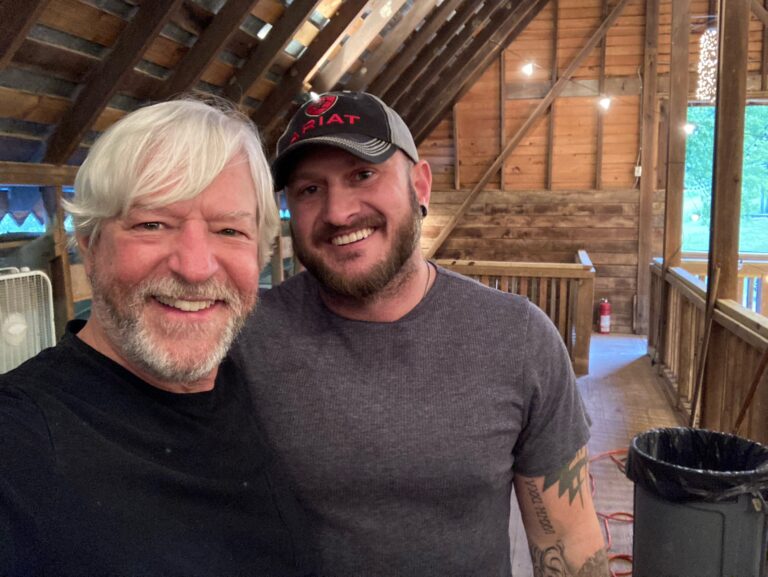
(26, 316)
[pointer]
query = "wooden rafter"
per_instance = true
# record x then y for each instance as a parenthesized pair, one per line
(409, 96)
(16, 18)
(392, 43)
(269, 113)
(446, 40)
(267, 52)
(208, 45)
(103, 83)
(381, 12)
(406, 56)
(760, 12)
(483, 50)
(528, 124)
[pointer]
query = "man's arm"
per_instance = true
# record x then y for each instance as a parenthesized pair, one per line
(560, 522)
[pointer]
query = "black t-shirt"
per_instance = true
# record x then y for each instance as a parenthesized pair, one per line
(104, 474)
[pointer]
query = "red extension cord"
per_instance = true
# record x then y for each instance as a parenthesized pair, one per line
(619, 457)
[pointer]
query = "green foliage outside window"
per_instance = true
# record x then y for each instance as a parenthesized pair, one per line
(697, 207)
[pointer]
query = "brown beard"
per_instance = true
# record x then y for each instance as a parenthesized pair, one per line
(384, 274)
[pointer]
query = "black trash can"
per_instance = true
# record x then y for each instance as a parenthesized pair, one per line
(700, 504)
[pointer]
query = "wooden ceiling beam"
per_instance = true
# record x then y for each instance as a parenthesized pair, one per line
(472, 69)
(392, 43)
(405, 57)
(541, 108)
(760, 12)
(41, 174)
(270, 112)
(16, 18)
(428, 97)
(447, 42)
(268, 51)
(104, 81)
(381, 13)
(209, 43)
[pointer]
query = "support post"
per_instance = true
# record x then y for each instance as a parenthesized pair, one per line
(733, 56)
(648, 161)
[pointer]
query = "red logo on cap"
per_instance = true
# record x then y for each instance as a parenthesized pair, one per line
(322, 106)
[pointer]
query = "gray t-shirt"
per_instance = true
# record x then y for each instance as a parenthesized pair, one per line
(402, 438)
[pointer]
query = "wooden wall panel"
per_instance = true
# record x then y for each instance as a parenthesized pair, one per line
(620, 142)
(625, 42)
(439, 150)
(575, 25)
(699, 9)
(532, 45)
(526, 166)
(544, 226)
(479, 119)
(575, 143)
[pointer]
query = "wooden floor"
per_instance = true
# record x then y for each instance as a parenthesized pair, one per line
(624, 397)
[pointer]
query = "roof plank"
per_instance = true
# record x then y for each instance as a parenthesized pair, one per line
(16, 18)
(405, 57)
(273, 108)
(267, 52)
(392, 43)
(103, 83)
(381, 12)
(473, 63)
(448, 42)
(208, 45)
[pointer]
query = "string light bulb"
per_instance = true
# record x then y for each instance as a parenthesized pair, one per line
(706, 89)
(605, 102)
(528, 69)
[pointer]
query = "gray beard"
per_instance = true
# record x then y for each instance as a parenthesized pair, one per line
(129, 333)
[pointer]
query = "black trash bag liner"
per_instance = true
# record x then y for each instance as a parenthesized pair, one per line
(684, 464)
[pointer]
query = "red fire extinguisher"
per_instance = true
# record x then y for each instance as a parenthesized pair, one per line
(605, 316)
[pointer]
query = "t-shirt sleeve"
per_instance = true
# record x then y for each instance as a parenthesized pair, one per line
(556, 424)
(26, 458)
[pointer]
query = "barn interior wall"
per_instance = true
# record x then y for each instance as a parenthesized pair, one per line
(589, 197)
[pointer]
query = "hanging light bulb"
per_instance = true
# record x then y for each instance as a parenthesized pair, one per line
(706, 89)
(605, 102)
(528, 69)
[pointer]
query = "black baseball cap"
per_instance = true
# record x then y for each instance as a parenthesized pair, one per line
(357, 122)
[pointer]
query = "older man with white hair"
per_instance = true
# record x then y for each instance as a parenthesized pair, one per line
(131, 448)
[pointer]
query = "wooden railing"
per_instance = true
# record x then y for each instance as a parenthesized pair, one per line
(753, 277)
(564, 291)
(676, 343)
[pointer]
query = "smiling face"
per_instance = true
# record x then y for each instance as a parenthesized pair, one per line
(355, 224)
(172, 285)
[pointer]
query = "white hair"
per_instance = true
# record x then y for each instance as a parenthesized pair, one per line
(179, 148)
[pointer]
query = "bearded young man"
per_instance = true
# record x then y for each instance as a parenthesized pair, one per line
(406, 400)
(130, 448)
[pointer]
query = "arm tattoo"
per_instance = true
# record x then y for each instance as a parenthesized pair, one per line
(538, 507)
(570, 478)
(550, 562)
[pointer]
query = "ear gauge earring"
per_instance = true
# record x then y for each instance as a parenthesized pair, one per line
(423, 211)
